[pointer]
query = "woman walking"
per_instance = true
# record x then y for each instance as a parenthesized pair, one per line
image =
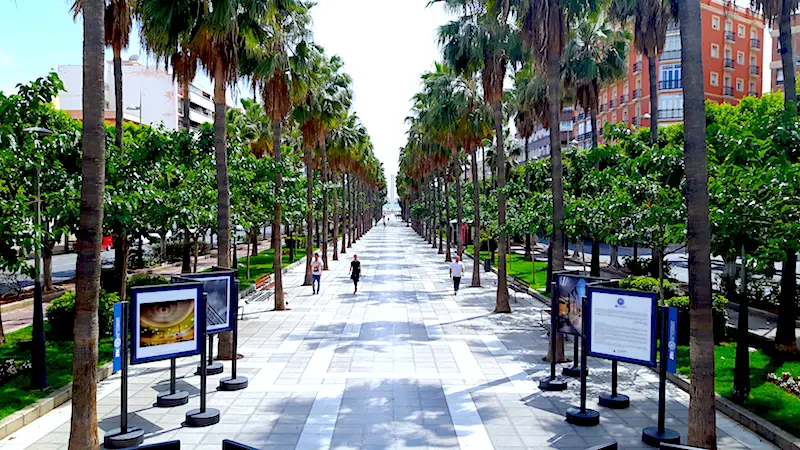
(355, 272)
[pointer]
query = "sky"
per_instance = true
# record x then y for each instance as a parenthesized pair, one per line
(385, 44)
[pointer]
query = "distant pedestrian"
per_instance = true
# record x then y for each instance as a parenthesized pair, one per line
(316, 273)
(355, 272)
(456, 271)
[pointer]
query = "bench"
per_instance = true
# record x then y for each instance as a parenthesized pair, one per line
(264, 290)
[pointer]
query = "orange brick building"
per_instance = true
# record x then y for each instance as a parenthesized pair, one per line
(776, 65)
(732, 62)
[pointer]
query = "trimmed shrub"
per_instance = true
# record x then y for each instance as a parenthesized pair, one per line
(647, 284)
(61, 315)
(144, 280)
(645, 267)
(719, 312)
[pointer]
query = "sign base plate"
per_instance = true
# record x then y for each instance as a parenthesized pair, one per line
(195, 418)
(619, 401)
(653, 438)
(586, 418)
(116, 439)
(211, 369)
(572, 371)
(170, 400)
(232, 384)
(553, 385)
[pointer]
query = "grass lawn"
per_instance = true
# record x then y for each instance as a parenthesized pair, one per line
(262, 263)
(521, 270)
(15, 395)
(766, 399)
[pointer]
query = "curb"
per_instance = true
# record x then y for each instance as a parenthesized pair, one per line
(16, 306)
(771, 433)
(759, 312)
(56, 398)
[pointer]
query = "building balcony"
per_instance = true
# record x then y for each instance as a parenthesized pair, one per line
(637, 93)
(730, 36)
(779, 82)
(671, 55)
(753, 93)
(637, 67)
(755, 70)
(612, 104)
(670, 84)
(755, 44)
(670, 114)
(727, 91)
(623, 99)
(602, 107)
(729, 64)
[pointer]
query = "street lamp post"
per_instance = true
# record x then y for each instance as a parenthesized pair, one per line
(38, 365)
(137, 108)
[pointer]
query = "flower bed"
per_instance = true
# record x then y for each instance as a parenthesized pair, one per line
(786, 382)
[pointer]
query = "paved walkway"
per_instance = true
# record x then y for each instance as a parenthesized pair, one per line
(403, 364)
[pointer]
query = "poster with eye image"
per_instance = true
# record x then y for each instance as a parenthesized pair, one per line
(167, 321)
(220, 306)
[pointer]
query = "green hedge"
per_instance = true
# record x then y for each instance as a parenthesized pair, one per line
(61, 315)
(144, 280)
(647, 284)
(719, 312)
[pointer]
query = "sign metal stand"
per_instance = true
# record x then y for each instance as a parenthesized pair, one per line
(553, 383)
(614, 400)
(234, 382)
(173, 398)
(582, 416)
(203, 416)
(212, 368)
(654, 436)
(124, 436)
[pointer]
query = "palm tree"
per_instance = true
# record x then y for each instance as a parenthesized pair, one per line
(83, 427)
(650, 20)
(702, 419)
(544, 27)
(782, 11)
(276, 69)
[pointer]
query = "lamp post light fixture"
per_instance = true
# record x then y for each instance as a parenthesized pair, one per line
(38, 366)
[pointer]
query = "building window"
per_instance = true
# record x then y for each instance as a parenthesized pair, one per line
(715, 51)
(714, 79)
(728, 25)
(670, 77)
(753, 60)
(753, 89)
(625, 115)
(670, 106)
(727, 81)
(740, 85)
(753, 34)
(715, 22)
(614, 118)
(740, 58)
(779, 77)
(741, 31)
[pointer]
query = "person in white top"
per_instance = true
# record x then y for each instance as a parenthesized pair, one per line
(456, 271)
(316, 273)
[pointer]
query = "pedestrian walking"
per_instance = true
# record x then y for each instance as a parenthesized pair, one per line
(456, 271)
(316, 274)
(355, 272)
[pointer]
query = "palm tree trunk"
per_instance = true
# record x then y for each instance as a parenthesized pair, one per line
(501, 305)
(344, 215)
(447, 255)
(556, 168)
(335, 220)
(459, 204)
(785, 336)
(438, 199)
(187, 124)
(476, 222)
(528, 255)
(351, 218)
(83, 426)
(323, 147)
(653, 72)
(277, 261)
(702, 419)
(308, 158)
(223, 188)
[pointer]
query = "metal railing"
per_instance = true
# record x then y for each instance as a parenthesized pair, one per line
(602, 107)
(612, 104)
(669, 55)
(730, 36)
(673, 26)
(637, 67)
(727, 91)
(729, 64)
(623, 99)
(753, 93)
(755, 43)
(670, 84)
(637, 93)
(755, 70)
(670, 114)
(779, 82)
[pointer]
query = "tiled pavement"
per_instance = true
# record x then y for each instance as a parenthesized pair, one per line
(403, 364)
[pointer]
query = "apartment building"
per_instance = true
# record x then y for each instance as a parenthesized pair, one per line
(149, 95)
(776, 65)
(732, 60)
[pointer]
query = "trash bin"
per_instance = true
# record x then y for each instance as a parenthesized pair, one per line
(487, 265)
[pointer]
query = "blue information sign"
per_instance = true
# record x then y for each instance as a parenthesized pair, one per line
(672, 340)
(117, 337)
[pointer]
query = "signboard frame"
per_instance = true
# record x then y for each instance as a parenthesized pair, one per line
(232, 302)
(564, 319)
(194, 290)
(117, 354)
(649, 296)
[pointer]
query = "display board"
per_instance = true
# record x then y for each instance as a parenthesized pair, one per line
(621, 325)
(570, 290)
(220, 306)
(167, 321)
